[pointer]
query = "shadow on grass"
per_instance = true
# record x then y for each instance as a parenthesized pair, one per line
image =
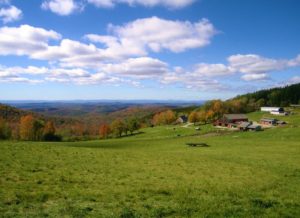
(130, 135)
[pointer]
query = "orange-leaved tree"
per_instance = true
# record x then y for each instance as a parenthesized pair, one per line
(27, 128)
(194, 117)
(104, 131)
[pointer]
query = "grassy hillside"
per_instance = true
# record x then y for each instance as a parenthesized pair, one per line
(154, 174)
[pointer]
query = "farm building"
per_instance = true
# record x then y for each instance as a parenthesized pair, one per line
(254, 127)
(245, 126)
(270, 109)
(274, 110)
(268, 121)
(182, 119)
(295, 105)
(279, 113)
(230, 120)
(280, 122)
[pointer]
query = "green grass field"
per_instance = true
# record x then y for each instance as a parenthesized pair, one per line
(154, 174)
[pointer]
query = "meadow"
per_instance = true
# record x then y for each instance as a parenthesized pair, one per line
(155, 174)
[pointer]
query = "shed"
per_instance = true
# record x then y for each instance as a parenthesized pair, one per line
(253, 127)
(268, 121)
(244, 125)
(182, 119)
(280, 122)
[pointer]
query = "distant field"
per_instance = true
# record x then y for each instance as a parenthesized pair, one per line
(154, 174)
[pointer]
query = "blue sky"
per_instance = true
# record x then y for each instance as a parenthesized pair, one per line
(146, 49)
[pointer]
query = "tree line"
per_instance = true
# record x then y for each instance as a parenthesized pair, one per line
(31, 128)
(278, 97)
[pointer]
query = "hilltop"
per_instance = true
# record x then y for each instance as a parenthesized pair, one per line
(280, 96)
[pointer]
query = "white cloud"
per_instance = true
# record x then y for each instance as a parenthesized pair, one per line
(156, 34)
(25, 40)
(146, 3)
(67, 48)
(61, 7)
(294, 80)
(9, 76)
(191, 80)
(294, 62)
(213, 70)
(205, 84)
(20, 80)
(132, 40)
(255, 77)
(10, 14)
(62, 75)
(255, 64)
(143, 67)
(30, 70)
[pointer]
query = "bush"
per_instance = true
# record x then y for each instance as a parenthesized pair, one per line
(52, 138)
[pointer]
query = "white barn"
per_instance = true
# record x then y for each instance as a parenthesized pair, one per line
(274, 110)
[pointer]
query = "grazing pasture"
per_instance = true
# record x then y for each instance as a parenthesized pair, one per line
(155, 174)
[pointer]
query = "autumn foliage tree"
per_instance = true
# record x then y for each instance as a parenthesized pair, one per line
(104, 131)
(49, 132)
(202, 117)
(164, 118)
(26, 128)
(78, 129)
(194, 117)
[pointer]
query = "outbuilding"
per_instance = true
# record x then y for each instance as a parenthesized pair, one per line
(268, 121)
(254, 127)
(244, 126)
(272, 109)
(280, 122)
(182, 119)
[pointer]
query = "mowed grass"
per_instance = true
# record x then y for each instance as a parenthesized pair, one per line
(242, 174)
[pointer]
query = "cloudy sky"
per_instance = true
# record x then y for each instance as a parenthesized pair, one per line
(146, 49)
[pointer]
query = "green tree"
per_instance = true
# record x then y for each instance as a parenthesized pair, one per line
(5, 131)
(133, 125)
(38, 128)
(49, 132)
(117, 127)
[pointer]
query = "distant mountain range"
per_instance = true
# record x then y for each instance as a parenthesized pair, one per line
(91, 112)
(80, 108)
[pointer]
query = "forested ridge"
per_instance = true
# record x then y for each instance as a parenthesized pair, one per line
(281, 96)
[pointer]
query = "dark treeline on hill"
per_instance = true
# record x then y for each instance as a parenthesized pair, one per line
(283, 96)
(277, 97)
